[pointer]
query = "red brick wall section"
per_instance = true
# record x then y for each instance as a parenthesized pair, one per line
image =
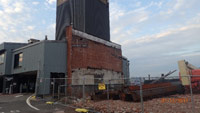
(69, 58)
(90, 54)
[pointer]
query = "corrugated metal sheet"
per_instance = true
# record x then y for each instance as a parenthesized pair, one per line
(63, 19)
(79, 15)
(90, 16)
(97, 19)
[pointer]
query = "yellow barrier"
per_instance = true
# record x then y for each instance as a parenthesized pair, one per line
(49, 103)
(81, 110)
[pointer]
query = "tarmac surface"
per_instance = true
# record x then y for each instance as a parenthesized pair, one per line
(17, 104)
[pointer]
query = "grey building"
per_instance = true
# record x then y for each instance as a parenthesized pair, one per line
(125, 69)
(84, 24)
(22, 65)
(6, 61)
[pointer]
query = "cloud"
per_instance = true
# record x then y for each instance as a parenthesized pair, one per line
(15, 7)
(163, 34)
(30, 27)
(156, 35)
(191, 54)
(35, 3)
(151, 54)
(14, 15)
(51, 1)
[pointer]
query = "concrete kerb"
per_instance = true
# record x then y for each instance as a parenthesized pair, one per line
(29, 104)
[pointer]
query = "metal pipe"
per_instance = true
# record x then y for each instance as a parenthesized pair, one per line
(58, 92)
(53, 87)
(37, 78)
(44, 87)
(108, 95)
(191, 93)
(84, 88)
(141, 96)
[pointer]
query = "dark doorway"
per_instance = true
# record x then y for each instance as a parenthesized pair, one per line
(24, 83)
(8, 84)
(57, 81)
(1, 84)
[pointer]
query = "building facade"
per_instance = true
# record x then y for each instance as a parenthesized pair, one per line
(81, 50)
(25, 64)
(29, 67)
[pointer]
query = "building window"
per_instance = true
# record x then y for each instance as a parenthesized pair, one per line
(2, 58)
(18, 60)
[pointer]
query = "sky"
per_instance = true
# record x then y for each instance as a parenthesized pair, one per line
(154, 34)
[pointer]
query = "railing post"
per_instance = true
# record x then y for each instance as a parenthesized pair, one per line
(191, 93)
(108, 95)
(84, 88)
(44, 80)
(141, 96)
(53, 87)
(58, 92)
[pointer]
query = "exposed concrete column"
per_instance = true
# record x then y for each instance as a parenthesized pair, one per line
(69, 58)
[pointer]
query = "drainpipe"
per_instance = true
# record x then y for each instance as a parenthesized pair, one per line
(69, 59)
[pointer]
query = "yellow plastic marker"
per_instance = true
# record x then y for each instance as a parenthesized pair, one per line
(81, 110)
(33, 98)
(49, 103)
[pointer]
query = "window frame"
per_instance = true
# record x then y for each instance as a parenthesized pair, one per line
(2, 59)
(18, 60)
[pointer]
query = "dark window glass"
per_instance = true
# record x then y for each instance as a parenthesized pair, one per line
(2, 58)
(18, 60)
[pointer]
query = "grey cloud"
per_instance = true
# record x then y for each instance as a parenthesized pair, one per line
(155, 58)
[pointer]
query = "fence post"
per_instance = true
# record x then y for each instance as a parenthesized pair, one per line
(191, 93)
(108, 95)
(53, 87)
(141, 96)
(84, 88)
(58, 92)
(65, 86)
(44, 79)
(20, 88)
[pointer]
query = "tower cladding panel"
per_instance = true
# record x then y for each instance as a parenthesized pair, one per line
(89, 16)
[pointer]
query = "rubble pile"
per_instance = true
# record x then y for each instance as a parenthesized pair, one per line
(156, 105)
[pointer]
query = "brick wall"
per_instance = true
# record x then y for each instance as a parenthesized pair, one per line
(90, 54)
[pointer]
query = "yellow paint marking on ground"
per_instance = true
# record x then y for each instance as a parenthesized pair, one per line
(49, 103)
(81, 110)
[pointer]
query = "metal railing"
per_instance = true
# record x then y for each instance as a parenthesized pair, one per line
(84, 89)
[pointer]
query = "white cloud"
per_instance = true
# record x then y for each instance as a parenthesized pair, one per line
(51, 1)
(145, 17)
(191, 54)
(30, 27)
(14, 7)
(35, 3)
(162, 51)
(163, 34)
(14, 15)
(18, 7)
(155, 38)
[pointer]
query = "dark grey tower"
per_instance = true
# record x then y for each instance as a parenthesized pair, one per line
(89, 16)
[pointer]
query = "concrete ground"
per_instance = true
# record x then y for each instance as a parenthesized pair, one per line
(17, 104)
